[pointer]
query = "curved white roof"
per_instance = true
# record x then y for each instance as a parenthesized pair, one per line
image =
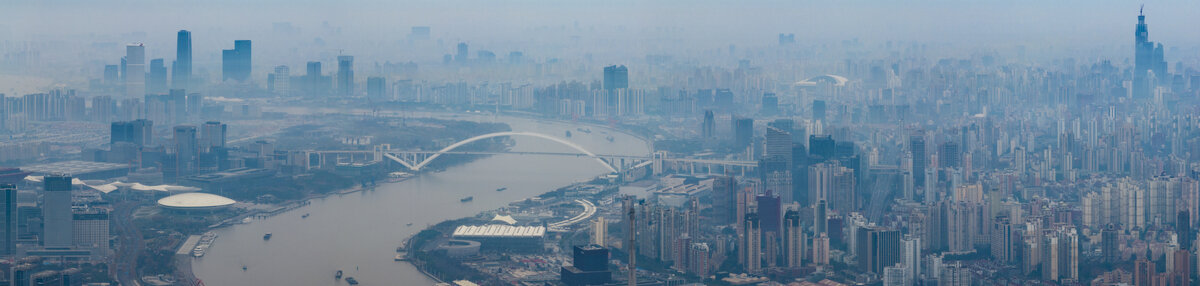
(195, 201)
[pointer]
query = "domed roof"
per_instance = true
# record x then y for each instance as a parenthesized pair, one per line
(195, 201)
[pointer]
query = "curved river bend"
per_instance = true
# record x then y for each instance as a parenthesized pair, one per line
(359, 232)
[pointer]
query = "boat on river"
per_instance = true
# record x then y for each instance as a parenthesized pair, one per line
(467, 199)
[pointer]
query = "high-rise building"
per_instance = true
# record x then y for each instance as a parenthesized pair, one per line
(186, 149)
(461, 53)
(377, 89)
(770, 104)
(135, 70)
(345, 75)
(281, 80)
(589, 266)
(724, 189)
(910, 252)
(916, 146)
(8, 219)
(793, 239)
(181, 74)
(599, 231)
(769, 216)
(56, 212)
(821, 249)
(236, 63)
(876, 248)
(156, 80)
(743, 132)
(139, 132)
(90, 231)
(708, 130)
(616, 77)
(820, 217)
(751, 244)
(948, 155)
(894, 275)
(212, 135)
(821, 147)
(1109, 244)
(1149, 68)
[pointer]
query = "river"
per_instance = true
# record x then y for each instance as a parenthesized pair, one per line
(358, 232)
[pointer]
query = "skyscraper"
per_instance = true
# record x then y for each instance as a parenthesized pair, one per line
(139, 132)
(743, 132)
(212, 135)
(460, 55)
(724, 190)
(8, 219)
(1149, 68)
(135, 70)
(235, 63)
(793, 239)
(56, 212)
(314, 82)
(156, 80)
(377, 89)
(708, 129)
(186, 150)
(282, 80)
(916, 146)
(181, 75)
(345, 75)
(616, 77)
(751, 250)
(821, 249)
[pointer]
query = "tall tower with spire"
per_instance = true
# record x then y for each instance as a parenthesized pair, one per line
(1149, 68)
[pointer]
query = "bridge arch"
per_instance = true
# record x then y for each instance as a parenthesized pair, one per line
(422, 164)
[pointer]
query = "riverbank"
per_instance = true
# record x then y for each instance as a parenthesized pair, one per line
(359, 233)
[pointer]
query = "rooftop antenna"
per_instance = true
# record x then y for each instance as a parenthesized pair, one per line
(1143, 7)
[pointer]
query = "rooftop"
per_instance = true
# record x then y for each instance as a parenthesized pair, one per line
(195, 200)
(73, 167)
(499, 231)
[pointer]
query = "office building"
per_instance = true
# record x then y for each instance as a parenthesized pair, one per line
(345, 75)
(820, 217)
(138, 132)
(90, 231)
(461, 53)
(281, 80)
(1149, 68)
(769, 215)
(135, 70)
(916, 147)
(589, 266)
(821, 147)
(616, 77)
(8, 219)
(708, 129)
(181, 73)
(724, 192)
(743, 132)
(56, 212)
(156, 80)
(186, 149)
(235, 63)
(377, 89)
(212, 135)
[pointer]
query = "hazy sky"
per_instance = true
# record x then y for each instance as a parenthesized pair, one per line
(1100, 22)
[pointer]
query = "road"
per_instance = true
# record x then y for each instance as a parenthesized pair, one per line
(130, 243)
